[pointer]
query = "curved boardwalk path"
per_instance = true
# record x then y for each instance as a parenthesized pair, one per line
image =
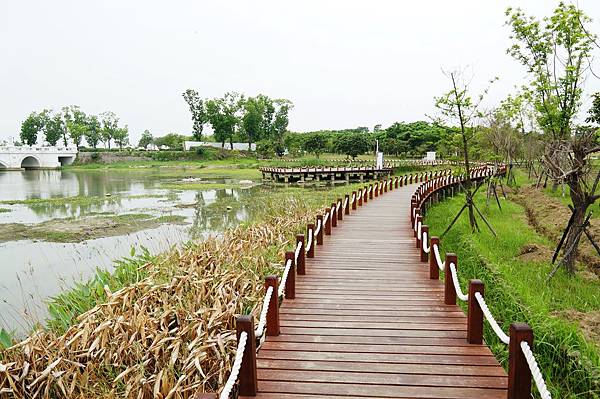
(367, 321)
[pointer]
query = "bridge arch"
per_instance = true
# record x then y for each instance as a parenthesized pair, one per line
(30, 162)
(3, 166)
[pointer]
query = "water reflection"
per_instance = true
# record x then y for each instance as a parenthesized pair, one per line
(33, 271)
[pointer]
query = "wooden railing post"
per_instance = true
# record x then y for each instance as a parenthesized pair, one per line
(401, 180)
(353, 200)
(333, 215)
(248, 378)
(381, 188)
(371, 191)
(301, 265)
(360, 197)
(434, 270)
(376, 189)
(416, 223)
(385, 186)
(424, 229)
(347, 209)
(449, 291)
(290, 283)
(328, 222)
(273, 312)
(340, 210)
(396, 182)
(311, 252)
(474, 314)
(519, 374)
(366, 194)
(320, 235)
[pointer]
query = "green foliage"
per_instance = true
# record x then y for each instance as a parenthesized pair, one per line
(517, 290)
(145, 139)
(198, 111)
(315, 143)
(353, 145)
(75, 124)
(5, 339)
(223, 115)
(594, 112)
(172, 140)
(110, 124)
(265, 149)
(93, 131)
(556, 53)
(31, 126)
(53, 129)
(121, 136)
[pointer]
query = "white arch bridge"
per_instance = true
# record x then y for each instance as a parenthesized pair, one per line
(26, 157)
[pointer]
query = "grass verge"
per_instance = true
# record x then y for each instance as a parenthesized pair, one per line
(517, 290)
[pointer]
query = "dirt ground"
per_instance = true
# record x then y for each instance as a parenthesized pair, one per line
(548, 216)
(589, 322)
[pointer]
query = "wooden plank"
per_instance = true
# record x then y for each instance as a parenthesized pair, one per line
(367, 322)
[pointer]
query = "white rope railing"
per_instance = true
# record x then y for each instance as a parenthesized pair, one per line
(332, 212)
(297, 252)
(309, 241)
(346, 203)
(318, 229)
(359, 195)
(353, 197)
(419, 224)
(535, 371)
(490, 318)
(438, 258)
(325, 218)
(262, 321)
(425, 243)
(235, 370)
(284, 277)
(459, 292)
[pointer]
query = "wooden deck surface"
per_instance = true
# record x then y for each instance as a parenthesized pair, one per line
(367, 321)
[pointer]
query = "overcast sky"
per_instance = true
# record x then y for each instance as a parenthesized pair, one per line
(343, 63)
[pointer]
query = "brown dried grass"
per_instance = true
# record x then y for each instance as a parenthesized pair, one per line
(167, 336)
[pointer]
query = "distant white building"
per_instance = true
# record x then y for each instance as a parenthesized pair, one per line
(151, 147)
(188, 145)
(430, 156)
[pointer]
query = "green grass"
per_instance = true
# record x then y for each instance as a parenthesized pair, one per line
(78, 200)
(518, 291)
(4, 210)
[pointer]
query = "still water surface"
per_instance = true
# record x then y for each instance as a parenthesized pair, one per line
(35, 270)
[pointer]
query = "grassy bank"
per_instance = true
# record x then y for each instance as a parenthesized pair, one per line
(514, 267)
(163, 323)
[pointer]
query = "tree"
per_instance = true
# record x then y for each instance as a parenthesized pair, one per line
(556, 53)
(75, 123)
(280, 124)
(172, 140)
(198, 110)
(31, 126)
(223, 115)
(93, 131)
(145, 139)
(109, 126)
(315, 143)
(352, 145)
(121, 136)
(253, 118)
(457, 106)
(53, 129)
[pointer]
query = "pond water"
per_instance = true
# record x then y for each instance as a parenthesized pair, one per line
(35, 269)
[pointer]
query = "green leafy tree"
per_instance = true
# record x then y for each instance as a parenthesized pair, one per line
(121, 136)
(556, 54)
(315, 143)
(75, 124)
(31, 126)
(198, 111)
(53, 129)
(93, 131)
(253, 118)
(145, 139)
(110, 124)
(172, 140)
(352, 145)
(223, 115)
(280, 124)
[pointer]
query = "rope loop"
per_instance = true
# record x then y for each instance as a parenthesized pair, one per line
(490, 318)
(262, 321)
(237, 364)
(535, 371)
(459, 292)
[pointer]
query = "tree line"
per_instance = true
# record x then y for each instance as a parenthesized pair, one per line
(240, 118)
(72, 124)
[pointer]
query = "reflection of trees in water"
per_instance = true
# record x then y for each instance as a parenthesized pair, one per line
(216, 216)
(72, 209)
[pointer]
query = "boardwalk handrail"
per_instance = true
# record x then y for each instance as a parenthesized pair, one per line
(522, 363)
(294, 263)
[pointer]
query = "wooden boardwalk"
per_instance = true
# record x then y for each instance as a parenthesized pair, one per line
(367, 322)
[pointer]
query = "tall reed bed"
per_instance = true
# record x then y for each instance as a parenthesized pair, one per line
(164, 329)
